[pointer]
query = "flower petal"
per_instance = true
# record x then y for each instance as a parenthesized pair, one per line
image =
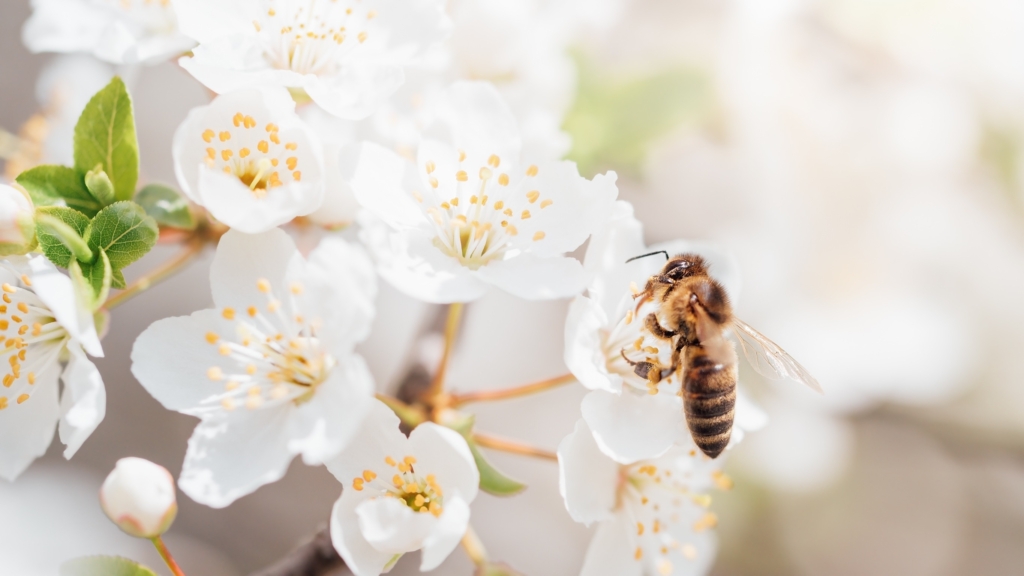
(447, 534)
(361, 558)
(621, 239)
(26, 429)
(381, 183)
(84, 402)
(340, 289)
(179, 380)
(610, 552)
(63, 26)
(583, 347)
(391, 526)
(587, 479)
(445, 453)
(630, 427)
(535, 278)
(232, 454)
(233, 203)
(357, 89)
(477, 119)
(58, 293)
(207, 20)
(379, 437)
(579, 208)
(243, 259)
(325, 424)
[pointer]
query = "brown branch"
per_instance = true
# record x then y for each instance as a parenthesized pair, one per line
(316, 557)
(527, 389)
(513, 447)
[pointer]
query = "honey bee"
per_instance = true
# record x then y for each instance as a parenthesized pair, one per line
(694, 315)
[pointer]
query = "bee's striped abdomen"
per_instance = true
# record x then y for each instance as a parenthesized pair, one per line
(709, 400)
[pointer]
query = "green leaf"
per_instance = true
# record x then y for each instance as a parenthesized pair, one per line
(124, 232)
(104, 566)
(491, 480)
(99, 184)
(105, 135)
(167, 206)
(117, 281)
(52, 238)
(99, 276)
(59, 185)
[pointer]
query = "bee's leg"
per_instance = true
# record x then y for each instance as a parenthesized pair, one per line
(654, 327)
(677, 352)
(647, 370)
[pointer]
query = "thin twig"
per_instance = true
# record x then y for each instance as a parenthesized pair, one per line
(524, 390)
(411, 416)
(166, 555)
(451, 328)
(474, 547)
(192, 249)
(317, 557)
(512, 446)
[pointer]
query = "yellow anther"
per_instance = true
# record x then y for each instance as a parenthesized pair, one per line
(9, 289)
(272, 127)
(291, 146)
(4, 324)
(23, 329)
(656, 527)
(473, 199)
(485, 173)
(403, 467)
(503, 179)
(363, 36)
(531, 171)
(23, 307)
(231, 385)
(296, 288)
(525, 215)
(454, 201)
(462, 155)
(254, 402)
(409, 460)
(494, 160)
(297, 176)
(227, 154)
(639, 553)
(507, 212)
(419, 500)
(208, 135)
(212, 338)
(533, 195)
(16, 318)
(430, 166)
(263, 285)
(224, 349)
(433, 182)
(371, 15)
(461, 176)
(292, 162)
(273, 306)
(244, 153)
(664, 567)
(369, 475)
(546, 203)
(215, 373)
(397, 481)
(499, 205)
(31, 378)
(8, 380)
(22, 398)
(263, 146)
(3, 402)
(228, 313)
(690, 551)
(357, 484)
(225, 136)
(707, 521)
(250, 369)
(389, 461)
(538, 235)
(639, 528)
(411, 488)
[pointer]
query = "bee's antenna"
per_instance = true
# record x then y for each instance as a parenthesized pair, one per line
(650, 254)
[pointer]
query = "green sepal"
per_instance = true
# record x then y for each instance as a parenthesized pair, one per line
(167, 206)
(124, 232)
(99, 185)
(104, 566)
(93, 279)
(59, 186)
(492, 480)
(59, 231)
(105, 135)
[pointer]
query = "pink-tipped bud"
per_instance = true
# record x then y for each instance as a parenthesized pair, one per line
(138, 496)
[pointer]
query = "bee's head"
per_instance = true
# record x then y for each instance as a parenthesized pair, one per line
(685, 265)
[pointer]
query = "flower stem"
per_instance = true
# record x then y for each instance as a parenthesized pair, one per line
(524, 390)
(474, 547)
(166, 555)
(450, 329)
(511, 446)
(192, 249)
(413, 416)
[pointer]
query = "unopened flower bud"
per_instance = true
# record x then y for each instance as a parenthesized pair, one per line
(138, 496)
(17, 231)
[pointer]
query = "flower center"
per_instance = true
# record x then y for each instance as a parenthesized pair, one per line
(420, 493)
(269, 364)
(478, 224)
(661, 504)
(629, 343)
(258, 158)
(32, 341)
(310, 36)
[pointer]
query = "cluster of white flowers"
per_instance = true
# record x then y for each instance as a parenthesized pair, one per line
(362, 111)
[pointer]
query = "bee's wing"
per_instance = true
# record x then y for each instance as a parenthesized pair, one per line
(768, 358)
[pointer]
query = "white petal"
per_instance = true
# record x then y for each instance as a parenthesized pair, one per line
(447, 534)
(178, 379)
(445, 453)
(414, 266)
(379, 437)
(479, 121)
(584, 354)
(383, 183)
(617, 241)
(207, 20)
(356, 91)
(26, 429)
(535, 278)
(231, 201)
(321, 427)
(63, 26)
(234, 63)
(232, 454)
(361, 558)
(630, 427)
(749, 416)
(58, 293)
(587, 479)
(580, 207)
(339, 206)
(610, 552)
(391, 526)
(243, 259)
(340, 289)
(84, 402)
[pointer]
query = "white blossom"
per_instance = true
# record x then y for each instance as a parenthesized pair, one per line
(631, 419)
(271, 373)
(470, 213)
(138, 496)
(42, 322)
(117, 31)
(347, 55)
(17, 229)
(401, 494)
(250, 160)
(652, 515)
